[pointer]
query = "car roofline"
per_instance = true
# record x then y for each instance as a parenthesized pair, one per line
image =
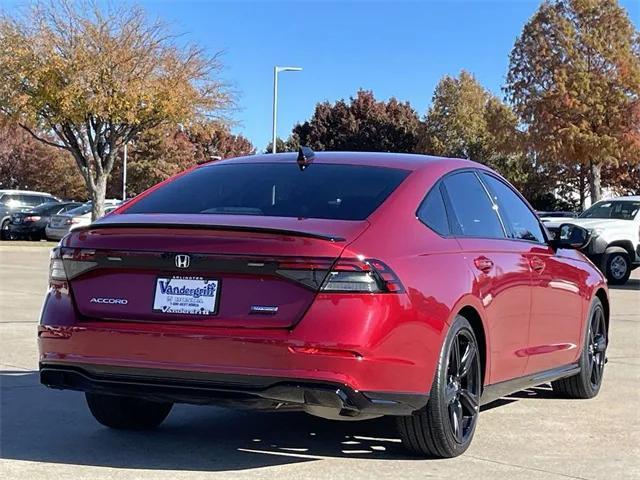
(402, 161)
(27, 192)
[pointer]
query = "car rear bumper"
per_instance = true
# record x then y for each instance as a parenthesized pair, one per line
(56, 233)
(21, 230)
(354, 343)
(321, 398)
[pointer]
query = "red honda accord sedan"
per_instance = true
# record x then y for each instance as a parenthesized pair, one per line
(347, 285)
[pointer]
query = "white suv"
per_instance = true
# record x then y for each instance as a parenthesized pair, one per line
(615, 236)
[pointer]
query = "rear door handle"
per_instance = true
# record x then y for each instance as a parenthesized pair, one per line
(537, 264)
(483, 264)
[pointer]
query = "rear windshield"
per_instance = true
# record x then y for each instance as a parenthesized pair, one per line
(338, 192)
(48, 208)
(81, 210)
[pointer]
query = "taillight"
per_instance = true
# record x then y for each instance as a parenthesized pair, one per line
(343, 276)
(71, 221)
(56, 267)
(68, 263)
(31, 218)
(309, 272)
(362, 275)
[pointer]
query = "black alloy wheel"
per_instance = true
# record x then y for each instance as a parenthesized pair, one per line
(597, 348)
(463, 386)
(587, 383)
(445, 426)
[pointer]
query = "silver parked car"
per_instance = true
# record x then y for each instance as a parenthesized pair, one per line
(60, 225)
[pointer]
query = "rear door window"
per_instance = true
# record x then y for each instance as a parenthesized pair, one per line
(329, 191)
(475, 214)
(432, 212)
(522, 223)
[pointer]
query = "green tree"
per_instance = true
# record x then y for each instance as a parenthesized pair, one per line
(362, 124)
(456, 124)
(466, 121)
(87, 81)
(291, 144)
(574, 81)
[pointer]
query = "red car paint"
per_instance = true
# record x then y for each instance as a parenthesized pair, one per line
(532, 301)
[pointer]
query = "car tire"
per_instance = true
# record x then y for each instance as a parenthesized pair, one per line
(616, 265)
(457, 386)
(127, 413)
(587, 383)
(4, 230)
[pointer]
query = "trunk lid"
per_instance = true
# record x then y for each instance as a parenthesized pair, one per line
(57, 221)
(265, 272)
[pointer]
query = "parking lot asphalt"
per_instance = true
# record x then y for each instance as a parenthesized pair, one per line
(46, 434)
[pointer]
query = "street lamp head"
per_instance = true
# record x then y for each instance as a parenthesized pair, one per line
(288, 69)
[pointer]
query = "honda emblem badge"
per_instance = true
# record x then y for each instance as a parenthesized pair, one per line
(183, 261)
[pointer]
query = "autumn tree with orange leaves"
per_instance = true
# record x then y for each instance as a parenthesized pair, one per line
(574, 80)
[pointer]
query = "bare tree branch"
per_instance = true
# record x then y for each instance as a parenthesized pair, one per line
(42, 139)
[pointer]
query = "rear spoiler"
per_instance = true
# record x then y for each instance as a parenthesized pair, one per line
(196, 226)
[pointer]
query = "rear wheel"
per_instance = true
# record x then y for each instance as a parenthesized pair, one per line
(445, 426)
(4, 230)
(127, 413)
(586, 384)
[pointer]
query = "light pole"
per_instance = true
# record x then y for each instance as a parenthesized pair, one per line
(277, 70)
(124, 174)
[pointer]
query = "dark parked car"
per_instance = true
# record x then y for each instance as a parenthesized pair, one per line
(31, 223)
(347, 285)
(17, 200)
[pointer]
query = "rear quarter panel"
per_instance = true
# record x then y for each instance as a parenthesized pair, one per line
(592, 281)
(435, 275)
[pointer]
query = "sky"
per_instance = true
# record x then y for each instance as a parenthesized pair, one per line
(395, 48)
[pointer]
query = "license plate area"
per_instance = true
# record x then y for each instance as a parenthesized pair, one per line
(186, 295)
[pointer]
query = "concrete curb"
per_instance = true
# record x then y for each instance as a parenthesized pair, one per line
(26, 248)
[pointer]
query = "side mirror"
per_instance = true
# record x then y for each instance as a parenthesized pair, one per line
(571, 236)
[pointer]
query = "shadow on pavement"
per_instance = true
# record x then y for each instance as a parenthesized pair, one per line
(501, 402)
(539, 392)
(632, 284)
(43, 425)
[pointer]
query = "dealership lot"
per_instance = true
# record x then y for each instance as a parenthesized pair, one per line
(50, 434)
